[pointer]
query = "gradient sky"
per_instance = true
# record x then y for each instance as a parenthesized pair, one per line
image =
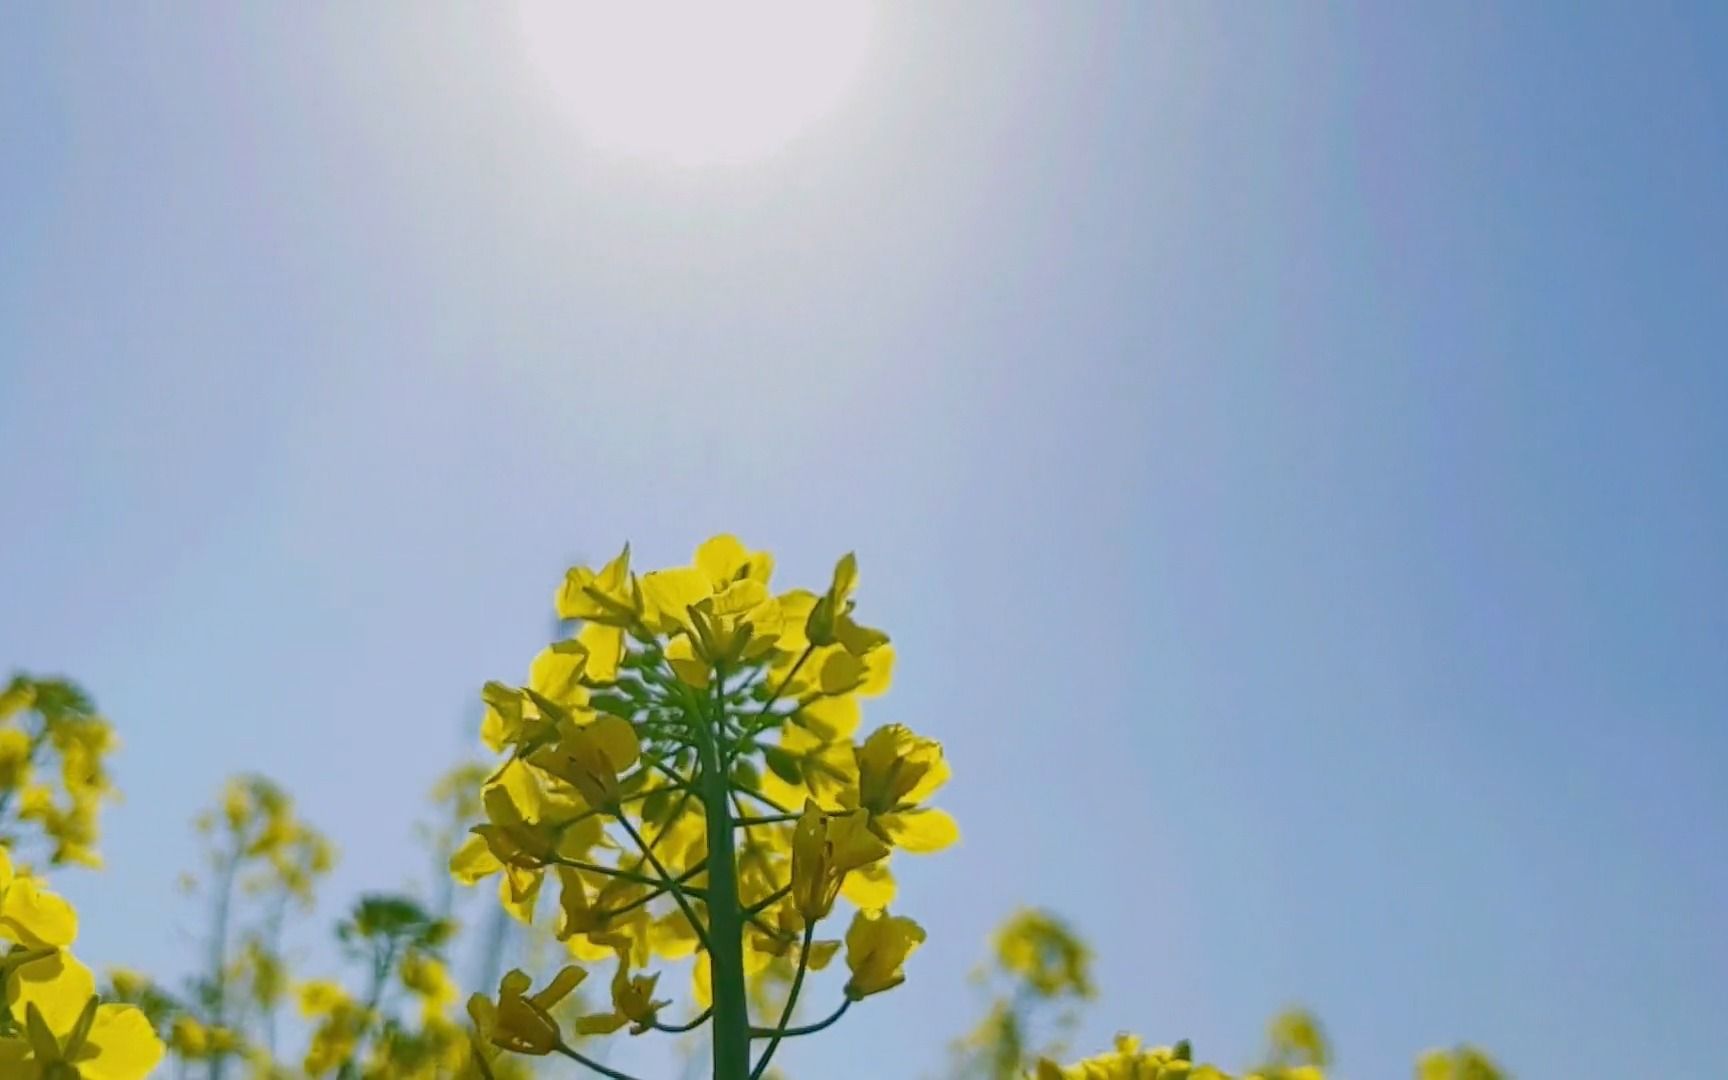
(1288, 444)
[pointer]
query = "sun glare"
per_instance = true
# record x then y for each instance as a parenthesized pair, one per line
(692, 82)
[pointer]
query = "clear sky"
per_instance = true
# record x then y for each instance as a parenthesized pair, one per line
(1289, 444)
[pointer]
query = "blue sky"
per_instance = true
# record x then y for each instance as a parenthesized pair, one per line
(1287, 444)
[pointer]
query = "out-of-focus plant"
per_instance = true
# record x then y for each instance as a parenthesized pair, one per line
(1038, 974)
(684, 767)
(53, 1023)
(54, 750)
(1297, 1050)
(264, 862)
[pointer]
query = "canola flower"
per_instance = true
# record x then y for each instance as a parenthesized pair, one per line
(54, 751)
(53, 1023)
(1298, 1051)
(685, 768)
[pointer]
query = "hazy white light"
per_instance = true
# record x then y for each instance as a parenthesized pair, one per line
(697, 82)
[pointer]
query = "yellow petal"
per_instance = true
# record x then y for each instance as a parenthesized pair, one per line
(557, 671)
(870, 887)
(701, 981)
(567, 979)
(605, 645)
(821, 952)
(474, 861)
(602, 1024)
(669, 593)
(879, 671)
(832, 717)
(681, 654)
(33, 916)
(122, 1046)
(841, 672)
(921, 831)
(57, 985)
(720, 557)
(616, 738)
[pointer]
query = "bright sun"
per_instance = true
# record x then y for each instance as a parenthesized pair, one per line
(694, 82)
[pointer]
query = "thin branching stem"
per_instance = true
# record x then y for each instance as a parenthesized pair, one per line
(680, 893)
(582, 1059)
(780, 1029)
(807, 1029)
(691, 1025)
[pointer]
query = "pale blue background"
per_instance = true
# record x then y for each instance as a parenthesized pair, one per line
(1286, 441)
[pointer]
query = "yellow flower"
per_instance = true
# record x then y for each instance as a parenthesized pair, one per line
(725, 560)
(520, 1021)
(590, 756)
(1296, 1040)
(877, 945)
(830, 619)
(1464, 1063)
(590, 931)
(423, 975)
(15, 752)
(70, 1035)
(527, 826)
(1128, 1061)
(610, 597)
(189, 1038)
(1041, 951)
(341, 1023)
(897, 770)
(31, 915)
(632, 1003)
(825, 848)
(103, 1042)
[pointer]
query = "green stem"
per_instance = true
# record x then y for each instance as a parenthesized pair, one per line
(219, 953)
(725, 912)
(769, 901)
(784, 683)
(780, 1029)
(680, 893)
(747, 822)
(808, 1029)
(692, 1025)
(627, 875)
(579, 1059)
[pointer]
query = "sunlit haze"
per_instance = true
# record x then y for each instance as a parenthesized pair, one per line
(696, 83)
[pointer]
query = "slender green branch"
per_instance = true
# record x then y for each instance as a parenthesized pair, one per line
(780, 1029)
(745, 789)
(659, 891)
(679, 892)
(679, 1029)
(623, 875)
(767, 819)
(774, 696)
(580, 1059)
(679, 781)
(807, 1029)
(768, 901)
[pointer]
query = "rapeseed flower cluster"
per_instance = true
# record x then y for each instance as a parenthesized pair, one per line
(53, 1023)
(685, 769)
(54, 750)
(682, 782)
(1298, 1052)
